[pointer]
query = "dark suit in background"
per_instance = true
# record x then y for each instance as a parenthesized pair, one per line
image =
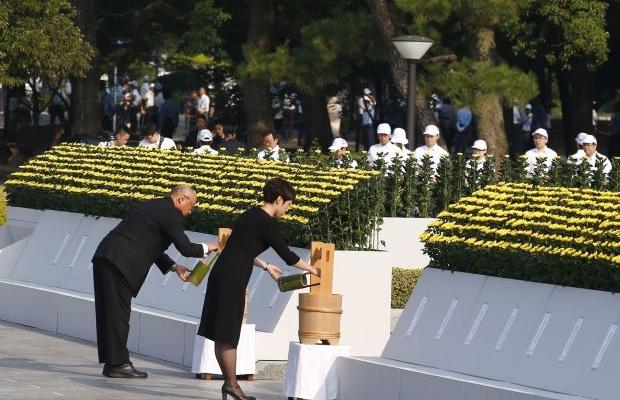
(122, 262)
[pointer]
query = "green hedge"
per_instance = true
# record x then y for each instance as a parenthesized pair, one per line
(403, 282)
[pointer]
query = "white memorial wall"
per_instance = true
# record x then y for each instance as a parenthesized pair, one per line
(467, 334)
(46, 282)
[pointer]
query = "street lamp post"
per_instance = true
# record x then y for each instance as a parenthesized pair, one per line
(412, 49)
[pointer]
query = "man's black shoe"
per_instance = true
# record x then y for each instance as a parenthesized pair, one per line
(123, 371)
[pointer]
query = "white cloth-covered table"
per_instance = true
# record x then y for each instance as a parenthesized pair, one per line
(204, 361)
(312, 371)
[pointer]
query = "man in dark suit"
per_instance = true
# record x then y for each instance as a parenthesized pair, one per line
(122, 262)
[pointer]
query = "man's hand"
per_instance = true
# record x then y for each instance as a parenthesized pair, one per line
(182, 271)
(274, 271)
(213, 246)
(316, 271)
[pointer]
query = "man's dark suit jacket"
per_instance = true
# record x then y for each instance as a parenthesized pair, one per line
(141, 238)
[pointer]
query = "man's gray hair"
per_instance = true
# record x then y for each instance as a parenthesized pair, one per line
(183, 190)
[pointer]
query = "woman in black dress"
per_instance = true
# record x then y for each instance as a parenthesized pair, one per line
(222, 313)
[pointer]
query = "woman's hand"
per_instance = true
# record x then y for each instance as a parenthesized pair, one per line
(315, 271)
(273, 271)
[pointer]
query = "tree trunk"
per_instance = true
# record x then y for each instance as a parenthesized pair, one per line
(257, 100)
(488, 107)
(398, 65)
(565, 104)
(85, 108)
(582, 84)
(316, 120)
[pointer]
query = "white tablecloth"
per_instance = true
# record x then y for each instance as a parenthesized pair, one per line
(312, 371)
(204, 361)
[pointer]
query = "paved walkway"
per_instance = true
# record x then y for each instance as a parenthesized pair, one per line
(36, 364)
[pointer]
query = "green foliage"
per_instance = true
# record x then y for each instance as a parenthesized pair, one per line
(40, 40)
(203, 33)
(561, 32)
(466, 81)
(329, 51)
(403, 282)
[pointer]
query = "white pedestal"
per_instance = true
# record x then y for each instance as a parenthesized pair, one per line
(204, 361)
(312, 371)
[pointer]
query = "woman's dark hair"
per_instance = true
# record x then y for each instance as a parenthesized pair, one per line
(278, 187)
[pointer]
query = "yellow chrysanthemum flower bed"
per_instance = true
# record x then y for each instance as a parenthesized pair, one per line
(557, 235)
(332, 204)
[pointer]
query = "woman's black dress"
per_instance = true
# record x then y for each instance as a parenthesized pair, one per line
(222, 313)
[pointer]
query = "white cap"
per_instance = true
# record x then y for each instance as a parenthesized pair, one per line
(367, 91)
(399, 136)
(384, 128)
(580, 137)
(431, 130)
(204, 135)
(479, 145)
(338, 143)
(528, 106)
(541, 132)
(589, 139)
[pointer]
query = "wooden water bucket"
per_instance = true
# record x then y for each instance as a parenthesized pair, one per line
(319, 318)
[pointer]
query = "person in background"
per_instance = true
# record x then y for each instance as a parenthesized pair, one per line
(204, 139)
(340, 148)
(367, 104)
(168, 114)
(385, 149)
(218, 137)
(399, 138)
(430, 147)
(190, 139)
(479, 153)
(579, 143)
(271, 147)
(464, 128)
(203, 104)
(152, 139)
(591, 156)
(540, 152)
(120, 139)
(232, 145)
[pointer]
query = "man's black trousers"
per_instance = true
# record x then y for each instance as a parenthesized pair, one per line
(113, 309)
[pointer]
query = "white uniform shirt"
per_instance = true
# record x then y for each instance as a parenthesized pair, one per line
(111, 143)
(203, 104)
(592, 161)
(352, 164)
(436, 152)
(388, 150)
(274, 154)
(479, 163)
(166, 144)
(206, 149)
(150, 99)
(580, 153)
(533, 154)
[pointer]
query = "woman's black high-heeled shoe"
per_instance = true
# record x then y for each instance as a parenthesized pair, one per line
(229, 390)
